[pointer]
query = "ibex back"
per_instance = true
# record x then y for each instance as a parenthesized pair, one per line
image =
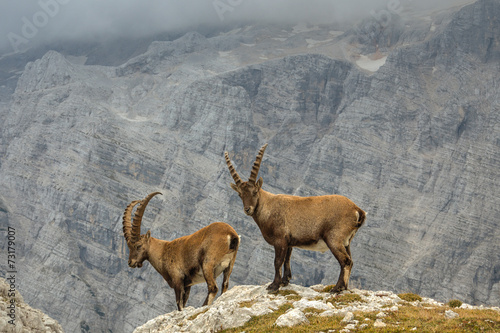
(317, 223)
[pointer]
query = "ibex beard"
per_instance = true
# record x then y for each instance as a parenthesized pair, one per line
(185, 261)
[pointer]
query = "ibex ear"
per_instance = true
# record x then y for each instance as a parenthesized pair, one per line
(259, 182)
(148, 235)
(234, 187)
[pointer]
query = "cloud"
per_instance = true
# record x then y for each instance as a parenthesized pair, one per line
(25, 23)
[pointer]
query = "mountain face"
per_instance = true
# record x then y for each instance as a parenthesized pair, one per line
(405, 123)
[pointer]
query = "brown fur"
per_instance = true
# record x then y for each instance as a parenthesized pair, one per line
(185, 261)
(288, 221)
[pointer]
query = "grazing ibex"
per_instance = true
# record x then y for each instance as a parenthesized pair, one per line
(185, 261)
(312, 223)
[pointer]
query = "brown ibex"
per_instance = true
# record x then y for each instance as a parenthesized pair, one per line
(318, 223)
(185, 261)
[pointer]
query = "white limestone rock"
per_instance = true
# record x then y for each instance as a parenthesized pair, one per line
(449, 314)
(293, 317)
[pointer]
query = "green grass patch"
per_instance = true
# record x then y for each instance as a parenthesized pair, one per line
(327, 289)
(410, 297)
(454, 303)
(426, 320)
(290, 295)
(287, 292)
(344, 299)
(247, 304)
(307, 311)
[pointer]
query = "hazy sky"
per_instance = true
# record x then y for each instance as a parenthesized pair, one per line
(25, 22)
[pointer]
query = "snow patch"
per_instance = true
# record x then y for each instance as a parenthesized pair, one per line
(369, 64)
(313, 43)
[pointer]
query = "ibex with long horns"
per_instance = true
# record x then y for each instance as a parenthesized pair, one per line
(319, 223)
(185, 261)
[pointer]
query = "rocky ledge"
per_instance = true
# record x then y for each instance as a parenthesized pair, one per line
(22, 318)
(238, 305)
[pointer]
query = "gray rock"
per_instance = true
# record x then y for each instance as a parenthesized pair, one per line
(293, 317)
(349, 316)
(379, 323)
(449, 314)
(17, 316)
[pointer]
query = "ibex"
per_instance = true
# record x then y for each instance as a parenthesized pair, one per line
(185, 261)
(314, 223)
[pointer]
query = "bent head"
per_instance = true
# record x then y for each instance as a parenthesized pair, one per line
(138, 252)
(248, 191)
(138, 244)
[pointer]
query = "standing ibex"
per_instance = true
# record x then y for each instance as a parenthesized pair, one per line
(312, 223)
(185, 261)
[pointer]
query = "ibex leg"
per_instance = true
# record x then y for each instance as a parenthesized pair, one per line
(345, 261)
(280, 254)
(287, 272)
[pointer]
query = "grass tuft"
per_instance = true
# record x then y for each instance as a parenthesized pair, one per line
(410, 297)
(290, 295)
(247, 304)
(345, 299)
(312, 311)
(287, 292)
(329, 288)
(454, 303)
(193, 317)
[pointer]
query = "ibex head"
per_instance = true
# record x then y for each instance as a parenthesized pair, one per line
(248, 191)
(138, 244)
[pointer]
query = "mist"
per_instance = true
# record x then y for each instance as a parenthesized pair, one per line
(24, 24)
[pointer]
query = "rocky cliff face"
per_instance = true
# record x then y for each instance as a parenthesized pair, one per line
(409, 132)
(17, 316)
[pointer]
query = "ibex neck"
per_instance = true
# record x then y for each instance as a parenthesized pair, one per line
(156, 253)
(263, 209)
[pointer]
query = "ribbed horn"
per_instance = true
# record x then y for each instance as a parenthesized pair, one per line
(233, 172)
(256, 165)
(127, 226)
(136, 225)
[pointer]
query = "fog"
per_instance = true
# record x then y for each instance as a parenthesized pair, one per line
(25, 23)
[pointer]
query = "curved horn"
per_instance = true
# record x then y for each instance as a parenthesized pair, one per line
(256, 165)
(127, 226)
(233, 172)
(136, 224)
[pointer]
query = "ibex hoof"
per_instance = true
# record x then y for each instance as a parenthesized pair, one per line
(273, 288)
(338, 289)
